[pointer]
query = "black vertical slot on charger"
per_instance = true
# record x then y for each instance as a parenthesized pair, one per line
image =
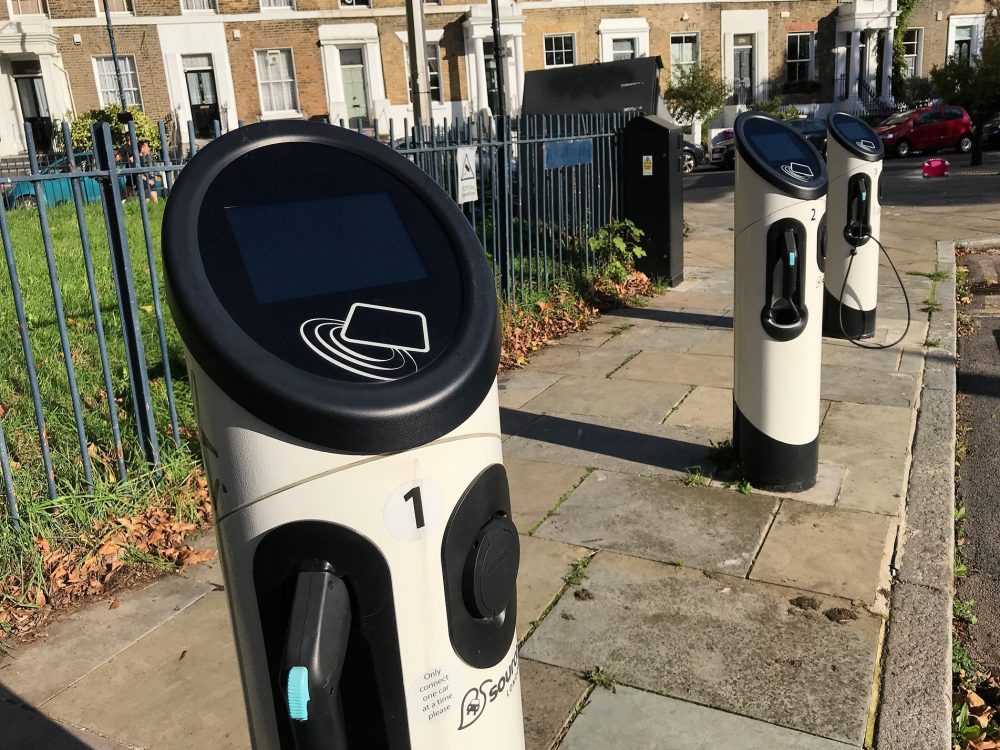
(858, 228)
(784, 315)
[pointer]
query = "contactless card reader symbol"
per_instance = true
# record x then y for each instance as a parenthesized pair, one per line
(866, 145)
(393, 327)
(801, 172)
(374, 341)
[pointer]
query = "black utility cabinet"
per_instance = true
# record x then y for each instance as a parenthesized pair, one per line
(653, 194)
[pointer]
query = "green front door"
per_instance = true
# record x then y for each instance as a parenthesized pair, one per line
(352, 71)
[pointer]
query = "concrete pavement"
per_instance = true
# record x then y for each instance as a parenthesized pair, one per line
(750, 621)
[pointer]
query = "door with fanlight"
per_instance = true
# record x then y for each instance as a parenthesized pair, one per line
(202, 94)
(743, 88)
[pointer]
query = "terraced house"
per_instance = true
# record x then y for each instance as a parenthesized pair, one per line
(250, 60)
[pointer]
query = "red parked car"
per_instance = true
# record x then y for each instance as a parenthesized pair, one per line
(927, 129)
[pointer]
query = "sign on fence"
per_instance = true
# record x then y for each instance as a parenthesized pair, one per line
(568, 153)
(465, 180)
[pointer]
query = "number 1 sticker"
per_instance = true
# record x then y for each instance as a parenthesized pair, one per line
(412, 508)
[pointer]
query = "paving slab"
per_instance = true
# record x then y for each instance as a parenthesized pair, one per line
(518, 387)
(512, 421)
(613, 444)
(604, 397)
(875, 481)
(565, 359)
(705, 407)
(740, 646)
(536, 487)
(829, 482)
(634, 719)
(667, 367)
(871, 426)
(831, 551)
(693, 300)
(709, 528)
(87, 637)
(878, 359)
(866, 386)
(198, 700)
(715, 342)
(544, 565)
(23, 728)
(662, 338)
(645, 316)
(549, 695)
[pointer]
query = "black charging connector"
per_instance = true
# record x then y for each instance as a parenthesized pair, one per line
(319, 626)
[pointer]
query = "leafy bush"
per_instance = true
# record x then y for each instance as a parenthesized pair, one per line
(145, 128)
(616, 248)
(914, 92)
(775, 108)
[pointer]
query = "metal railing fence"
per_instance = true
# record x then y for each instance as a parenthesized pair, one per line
(92, 387)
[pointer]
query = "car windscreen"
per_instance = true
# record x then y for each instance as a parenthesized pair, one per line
(898, 119)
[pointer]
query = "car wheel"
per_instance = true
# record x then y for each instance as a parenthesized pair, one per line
(687, 162)
(965, 144)
(903, 149)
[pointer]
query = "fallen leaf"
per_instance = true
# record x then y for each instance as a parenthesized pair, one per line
(115, 603)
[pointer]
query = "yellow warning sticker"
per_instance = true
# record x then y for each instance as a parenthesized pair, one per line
(647, 166)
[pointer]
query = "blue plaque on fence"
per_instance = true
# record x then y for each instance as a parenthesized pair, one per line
(568, 153)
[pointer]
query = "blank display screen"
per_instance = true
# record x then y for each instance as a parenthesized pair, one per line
(780, 147)
(324, 246)
(856, 131)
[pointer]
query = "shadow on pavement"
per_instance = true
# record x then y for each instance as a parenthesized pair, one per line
(24, 728)
(673, 316)
(653, 450)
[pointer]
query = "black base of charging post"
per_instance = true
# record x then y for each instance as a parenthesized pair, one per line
(653, 194)
(842, 321)
(770, 464)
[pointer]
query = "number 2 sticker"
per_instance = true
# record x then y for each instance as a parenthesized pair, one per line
(413, 508)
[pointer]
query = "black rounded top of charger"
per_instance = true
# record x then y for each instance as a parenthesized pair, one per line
(330, 287)
(856, 136)
(780, 155)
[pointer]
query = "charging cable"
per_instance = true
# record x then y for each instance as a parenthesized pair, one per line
(843, 291)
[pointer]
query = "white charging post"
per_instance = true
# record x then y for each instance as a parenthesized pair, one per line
(854, 156)
(779, 211)
(342, 336)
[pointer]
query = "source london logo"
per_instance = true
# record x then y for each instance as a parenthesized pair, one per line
(478, 698)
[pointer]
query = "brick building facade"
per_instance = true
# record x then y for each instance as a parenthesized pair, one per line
(245, 60)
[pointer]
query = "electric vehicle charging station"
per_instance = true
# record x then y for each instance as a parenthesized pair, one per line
(779, 218)
(854, 159)
(342, 336)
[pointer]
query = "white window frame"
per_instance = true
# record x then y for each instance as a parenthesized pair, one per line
(919, 54)
(635, 47)
(102, 100)
(201, 11)
(283, 114)
(545, 51)
(612, 29)
(697, 57)
(978, 24)
(129, 8)
(436, 46)
(290, 5)
(42, 13)
(810, 61)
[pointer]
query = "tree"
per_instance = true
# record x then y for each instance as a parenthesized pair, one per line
(974, 86)
(145, 128)
(696, 93)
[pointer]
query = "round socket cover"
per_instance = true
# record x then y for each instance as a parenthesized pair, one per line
(491, 568)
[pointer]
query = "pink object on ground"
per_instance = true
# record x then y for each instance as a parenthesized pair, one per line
(936, 167)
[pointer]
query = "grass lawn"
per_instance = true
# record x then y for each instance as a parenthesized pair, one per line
(72, 517)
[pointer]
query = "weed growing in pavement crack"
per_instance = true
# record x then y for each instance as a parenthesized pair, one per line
(600, 677)
(578, 573)
(693, 477)
(962, 610)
